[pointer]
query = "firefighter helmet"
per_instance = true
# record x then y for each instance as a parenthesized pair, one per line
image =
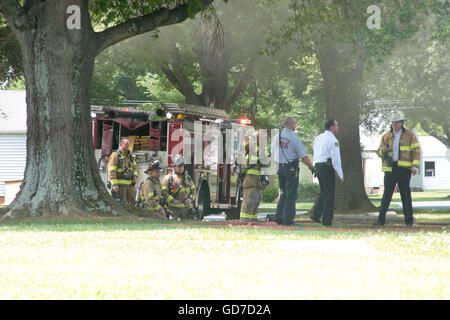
(397, 115)
(155, 165)
(179, 160)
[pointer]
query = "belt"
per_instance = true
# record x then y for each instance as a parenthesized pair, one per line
(284, 165)
(328, 162)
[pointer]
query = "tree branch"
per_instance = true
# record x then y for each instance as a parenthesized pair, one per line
(142, 24)
(180, 82)
(237, 91)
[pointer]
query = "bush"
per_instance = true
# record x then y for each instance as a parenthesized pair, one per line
(308, 191)
(270, 194)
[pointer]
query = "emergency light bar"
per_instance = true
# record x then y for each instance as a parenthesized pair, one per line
(245, 122)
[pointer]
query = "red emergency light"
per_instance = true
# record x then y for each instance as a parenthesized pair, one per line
(245, 122)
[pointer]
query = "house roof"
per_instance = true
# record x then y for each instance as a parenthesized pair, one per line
(432, 147)
(370, 142)
(13, 112)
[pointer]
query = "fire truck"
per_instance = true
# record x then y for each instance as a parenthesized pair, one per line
(162, 133)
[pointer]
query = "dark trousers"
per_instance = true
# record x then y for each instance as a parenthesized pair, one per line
(401, 177)
(325, 203)
(288, 180)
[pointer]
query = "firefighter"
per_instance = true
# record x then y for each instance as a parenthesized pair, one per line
(150, 196)
(327, 160)
(122, 173)
(400, 151)
(254, 182)
(178, 190)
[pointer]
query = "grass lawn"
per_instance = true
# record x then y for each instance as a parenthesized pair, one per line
(141, 259)
(429, 195)
(433, 195)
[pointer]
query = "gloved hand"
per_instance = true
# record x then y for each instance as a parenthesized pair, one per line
(314, 172)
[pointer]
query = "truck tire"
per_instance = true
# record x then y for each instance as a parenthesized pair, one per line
(203, 201)
(235, 213)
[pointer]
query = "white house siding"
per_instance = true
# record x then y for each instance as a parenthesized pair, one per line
(431, 150)
(13, 152)
(416, 182)
(373, 177)
(441, 180)
(434, 150)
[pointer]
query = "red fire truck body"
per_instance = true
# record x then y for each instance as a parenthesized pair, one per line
(164, 133)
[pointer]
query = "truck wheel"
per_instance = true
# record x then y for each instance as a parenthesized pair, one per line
(203, 202)
(235, 213)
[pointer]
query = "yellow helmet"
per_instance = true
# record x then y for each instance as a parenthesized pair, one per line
(397, 115)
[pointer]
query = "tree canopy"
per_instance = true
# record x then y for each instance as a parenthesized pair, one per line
(416, 77)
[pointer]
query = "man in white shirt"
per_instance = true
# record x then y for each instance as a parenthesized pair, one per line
(327, 160)
(396, 144)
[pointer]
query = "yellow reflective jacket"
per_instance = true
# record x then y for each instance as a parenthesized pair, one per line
(117, 167)
(252, 169)
(151, 193)
(409, 149)
(178, 188)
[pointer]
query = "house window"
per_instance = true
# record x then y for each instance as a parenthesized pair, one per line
(429, 169)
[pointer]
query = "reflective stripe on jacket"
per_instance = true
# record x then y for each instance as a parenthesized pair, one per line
(409, 149)
(117, 168)
(181, 189)
(149, 188)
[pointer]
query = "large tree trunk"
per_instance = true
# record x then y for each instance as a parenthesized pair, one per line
(61, 175)
(342, 76)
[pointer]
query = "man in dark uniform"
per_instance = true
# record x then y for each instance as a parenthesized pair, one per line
(327, 159)
(290, 151)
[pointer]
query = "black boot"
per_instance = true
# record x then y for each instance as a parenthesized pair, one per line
(274, 218)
